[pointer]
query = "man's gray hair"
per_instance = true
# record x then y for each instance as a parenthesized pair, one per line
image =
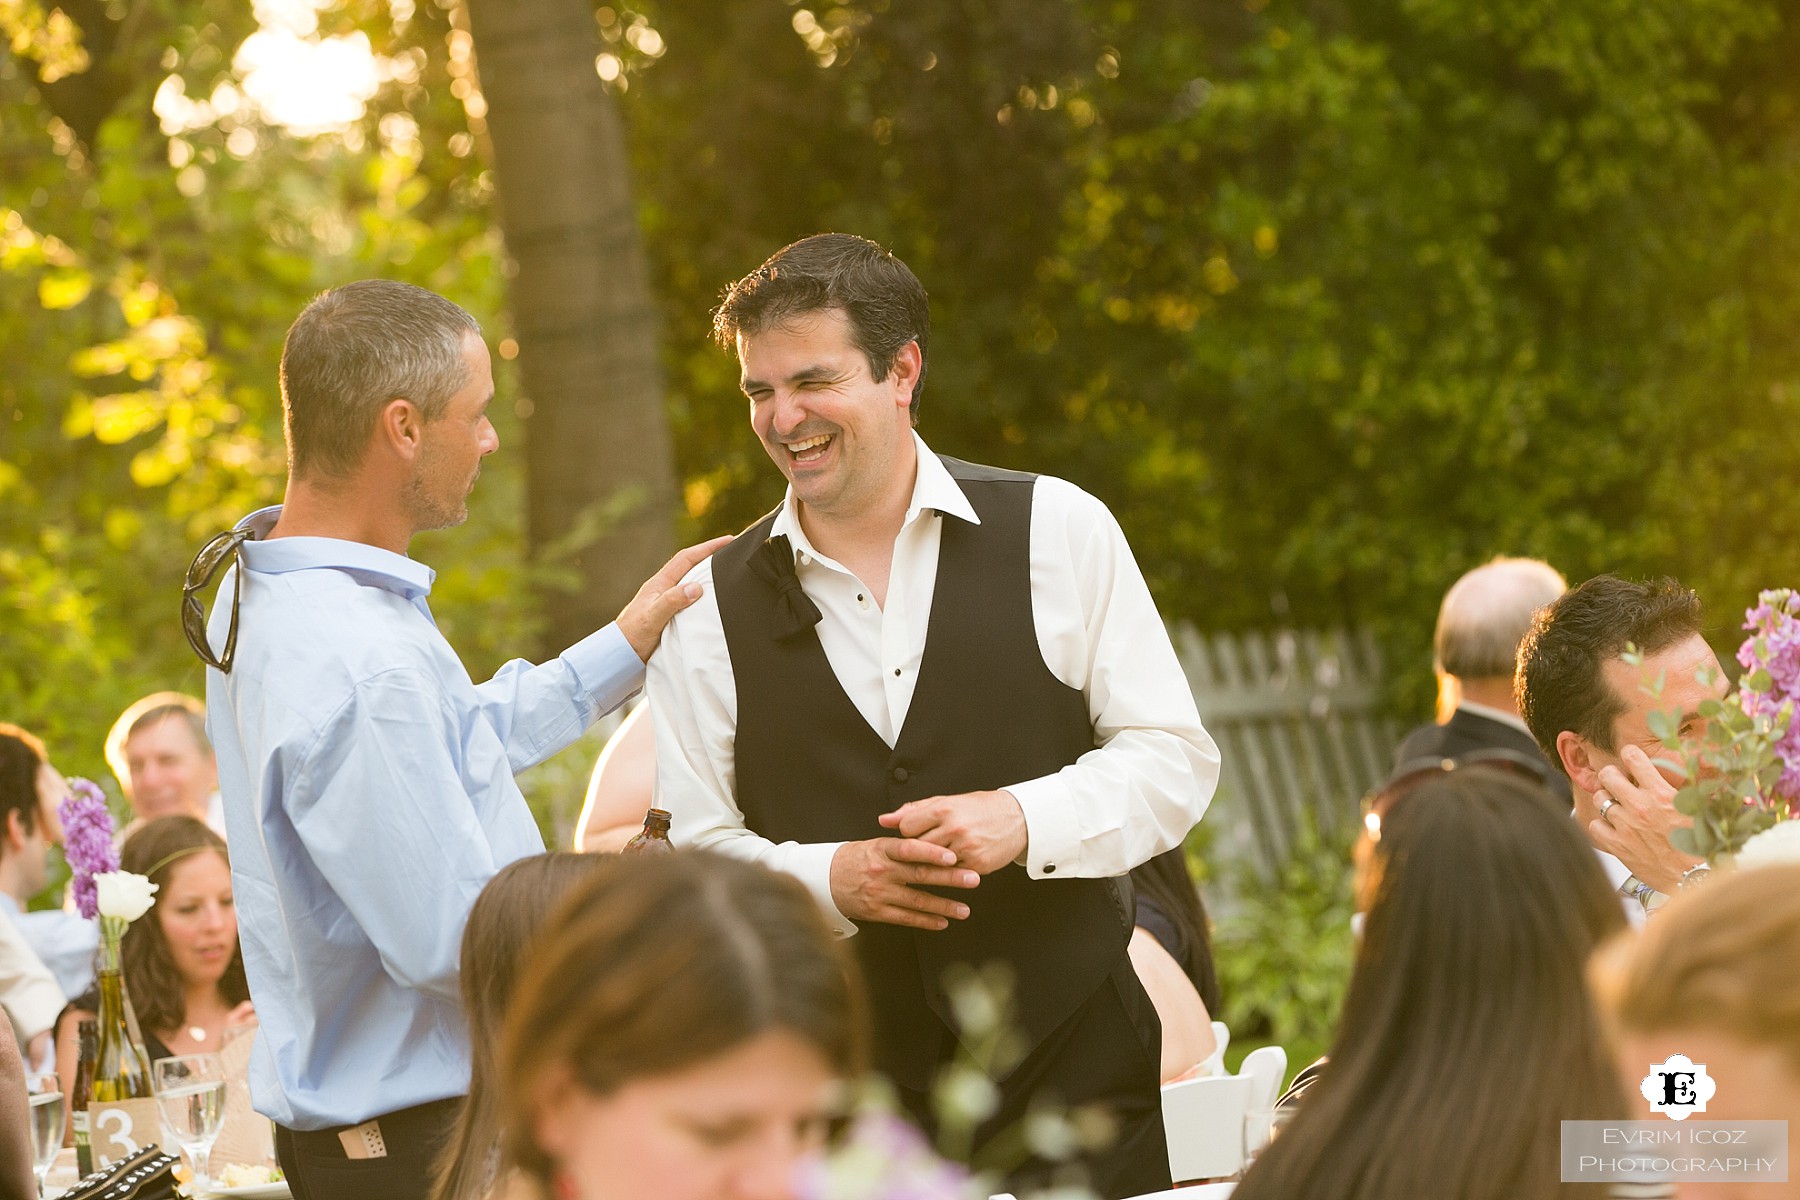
(1487, 612)
(354, 349)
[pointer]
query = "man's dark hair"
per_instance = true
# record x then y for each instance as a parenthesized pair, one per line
(21, 756)
(353, 350)
(883, 300)
(1560, 683)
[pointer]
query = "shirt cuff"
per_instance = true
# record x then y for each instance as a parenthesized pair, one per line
(811, 863)
(1052, 831)
(606, 668)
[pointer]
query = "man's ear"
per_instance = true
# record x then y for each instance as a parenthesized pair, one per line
(401, 428)
(1580, 760)
(909, 364)
(15, 832)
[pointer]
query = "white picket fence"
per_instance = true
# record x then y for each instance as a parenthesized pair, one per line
(1301, 724)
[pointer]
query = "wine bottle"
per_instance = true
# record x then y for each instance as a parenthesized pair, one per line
(122, 1116)
(78, 1097)
(655, 836)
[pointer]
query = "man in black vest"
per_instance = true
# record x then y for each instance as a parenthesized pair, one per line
(940, 695)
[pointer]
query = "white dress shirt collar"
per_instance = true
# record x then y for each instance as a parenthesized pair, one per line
(367, 564)
(933, 490)
(1495, 714)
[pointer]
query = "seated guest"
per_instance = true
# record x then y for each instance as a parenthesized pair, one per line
(1171, 952)
(1467, 1009)
(30, 790)
(1716, 977)
(622, 787)
(181, 959)
(503, 926)
(1480, 623)
(678, 1032)
(1589, 710)
(159, 751)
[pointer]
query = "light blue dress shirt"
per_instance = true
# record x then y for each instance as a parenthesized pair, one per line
(66, 942)
(369, 796)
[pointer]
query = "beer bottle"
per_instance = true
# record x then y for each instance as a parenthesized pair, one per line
(655, 837)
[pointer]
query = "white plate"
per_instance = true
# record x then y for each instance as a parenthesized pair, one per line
(253, 1191)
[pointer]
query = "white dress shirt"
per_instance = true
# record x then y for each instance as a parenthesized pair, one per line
(1133, 797)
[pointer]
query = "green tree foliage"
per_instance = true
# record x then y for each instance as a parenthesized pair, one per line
(1327, 300)
(148, 272)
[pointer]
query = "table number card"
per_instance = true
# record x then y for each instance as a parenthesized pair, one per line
(118, 1129)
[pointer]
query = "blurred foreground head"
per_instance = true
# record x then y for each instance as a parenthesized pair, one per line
(1484, 904)
(678, 1033)
(1716, 976)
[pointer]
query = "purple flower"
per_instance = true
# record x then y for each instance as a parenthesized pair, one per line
(87, 842)
(1774, 646)
(883, 1158)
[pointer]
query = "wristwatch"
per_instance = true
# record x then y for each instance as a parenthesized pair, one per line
(1693, 875)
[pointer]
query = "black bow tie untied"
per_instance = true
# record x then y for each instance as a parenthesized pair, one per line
(773, 563)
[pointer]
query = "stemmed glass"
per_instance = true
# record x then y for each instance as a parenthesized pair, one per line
(190, 1091)
(48, 1120)
(1262, 1126)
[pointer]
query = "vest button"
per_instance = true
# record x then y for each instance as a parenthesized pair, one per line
(901, 775)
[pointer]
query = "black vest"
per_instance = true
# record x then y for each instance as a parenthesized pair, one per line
(986, 713)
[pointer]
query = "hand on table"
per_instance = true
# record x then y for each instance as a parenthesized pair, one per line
(662, 596)
(880, 880)
(985, 830)
(1635, 828)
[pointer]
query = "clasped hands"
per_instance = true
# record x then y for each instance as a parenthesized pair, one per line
(945, 841)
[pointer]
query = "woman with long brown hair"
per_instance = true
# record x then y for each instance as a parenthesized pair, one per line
(503, 925)
(678, 1033)
(1468, 1033)
(182, 963)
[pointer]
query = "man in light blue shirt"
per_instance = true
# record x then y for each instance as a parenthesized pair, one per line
(368, 782)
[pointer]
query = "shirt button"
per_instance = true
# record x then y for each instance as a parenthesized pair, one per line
(901, 775)
(803, 559)
(1049, 868)
(896, 672)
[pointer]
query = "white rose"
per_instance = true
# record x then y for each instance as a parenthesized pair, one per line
(124, 895)
(1779, 843)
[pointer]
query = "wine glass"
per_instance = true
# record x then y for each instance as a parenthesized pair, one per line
(48, 1116)
(1262, 1126)
(190, 1092)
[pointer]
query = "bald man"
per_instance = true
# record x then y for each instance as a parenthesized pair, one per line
(1484, 616)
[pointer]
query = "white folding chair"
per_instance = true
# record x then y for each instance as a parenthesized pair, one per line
(1214, 1063)
(1267, 1065)
(1203, 1120)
